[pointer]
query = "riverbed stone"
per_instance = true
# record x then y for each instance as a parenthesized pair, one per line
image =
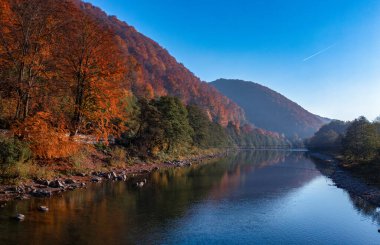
(114, 175)
(96, 179)
(41, 193)
(19, 217)
(139, 184)
(56, 184)
(43, 182)
(69, 181)
(43, 209)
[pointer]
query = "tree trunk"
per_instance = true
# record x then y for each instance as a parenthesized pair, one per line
(78, 106)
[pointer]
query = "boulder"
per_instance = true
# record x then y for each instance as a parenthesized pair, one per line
(56, 184)
(42, 182)
(69, 181)
(113, 175)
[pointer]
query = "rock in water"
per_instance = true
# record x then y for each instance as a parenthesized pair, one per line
(43, 208)
(19, 217)
(41, 193)
(139, 184)
(96, 179)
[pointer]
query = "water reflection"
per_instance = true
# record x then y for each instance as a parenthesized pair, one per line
(365, 208)
(250, 185)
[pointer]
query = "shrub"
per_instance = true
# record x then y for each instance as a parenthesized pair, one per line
(46, 139)
(118, 157)
(13, 151)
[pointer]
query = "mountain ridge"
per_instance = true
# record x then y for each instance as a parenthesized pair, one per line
(268, 109)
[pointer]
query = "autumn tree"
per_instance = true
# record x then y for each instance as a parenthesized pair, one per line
(27, 29)
(92, 66)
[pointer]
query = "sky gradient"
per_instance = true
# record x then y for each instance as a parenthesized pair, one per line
(324, 55)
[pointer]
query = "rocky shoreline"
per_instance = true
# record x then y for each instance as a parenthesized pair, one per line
(135, 175)
(343, 179)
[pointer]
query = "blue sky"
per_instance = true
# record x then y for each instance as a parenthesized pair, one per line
(322, 54)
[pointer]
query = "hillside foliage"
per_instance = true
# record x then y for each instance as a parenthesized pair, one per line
(72, 75)
(358, 141)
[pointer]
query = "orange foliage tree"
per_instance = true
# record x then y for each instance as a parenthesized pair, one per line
(46, 138)
(27, 28)
(93, 67)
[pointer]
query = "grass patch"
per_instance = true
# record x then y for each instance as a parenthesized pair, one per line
(17, 173)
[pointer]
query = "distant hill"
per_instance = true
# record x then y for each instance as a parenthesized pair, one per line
(270, 110)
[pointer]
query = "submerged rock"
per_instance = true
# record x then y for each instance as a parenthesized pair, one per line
(43, 208)
(41, 193)
(22, 197)
(139, 184)
(122, 177)
(96, 179)
(19, 217)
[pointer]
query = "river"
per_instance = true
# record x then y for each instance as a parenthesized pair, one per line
(252, 197)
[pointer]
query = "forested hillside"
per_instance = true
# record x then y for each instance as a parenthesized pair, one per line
(74, 79)
(157, 73)
(270, 110)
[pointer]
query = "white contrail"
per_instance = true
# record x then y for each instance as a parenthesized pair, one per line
(319, 52)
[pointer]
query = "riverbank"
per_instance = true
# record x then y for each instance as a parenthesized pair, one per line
(132, 174)
(345, 179)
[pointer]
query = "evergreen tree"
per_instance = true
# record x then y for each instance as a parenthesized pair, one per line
(174, 121)
(361, 141)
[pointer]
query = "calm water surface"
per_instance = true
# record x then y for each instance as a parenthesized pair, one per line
(253, 197)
